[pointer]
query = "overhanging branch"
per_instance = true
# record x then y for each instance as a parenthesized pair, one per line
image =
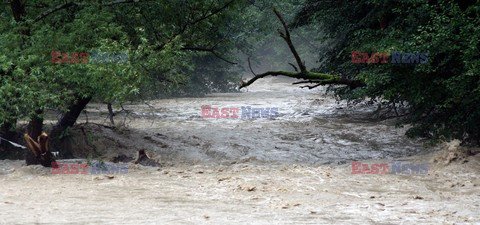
(298, 75)
(72, 3)
(286, 36)
(308, 77)
(54, 9)
(250, 66)
(213, 12)
(211, 50)
(185, 26)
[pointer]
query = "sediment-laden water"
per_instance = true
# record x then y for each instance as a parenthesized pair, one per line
(294, 169)
(311, 128)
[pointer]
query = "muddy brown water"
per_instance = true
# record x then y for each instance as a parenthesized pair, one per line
(290, 170)
(312, 128)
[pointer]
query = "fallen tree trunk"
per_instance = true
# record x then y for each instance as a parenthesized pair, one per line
(311, 77)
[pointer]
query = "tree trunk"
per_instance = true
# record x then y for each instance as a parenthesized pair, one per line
(35, 126)
(70, 117)
(18, 10)
(110, 113)
(58, 141)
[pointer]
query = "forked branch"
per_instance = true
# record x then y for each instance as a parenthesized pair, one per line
(286, 36)
(309, 77)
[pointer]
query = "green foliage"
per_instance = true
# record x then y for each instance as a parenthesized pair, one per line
(442, 95)
(153, 33)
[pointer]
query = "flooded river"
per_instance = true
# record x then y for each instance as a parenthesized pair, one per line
(294, 169)
(312, 128)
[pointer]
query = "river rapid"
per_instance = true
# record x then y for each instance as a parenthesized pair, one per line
(294, 169)
(312, 128)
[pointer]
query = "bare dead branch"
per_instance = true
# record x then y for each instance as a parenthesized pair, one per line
(298, 75)
(72, 3)
(195, 22)
(311, 87)
(286, 36)
(250, 66)
(213, 12)
(294, 67)
(211, 50)
(306, 82)
(310, 77)
(119, 2)
(307, 76)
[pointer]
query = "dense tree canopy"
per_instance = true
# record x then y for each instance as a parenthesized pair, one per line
(196, 47)
(442, 95)
(163, 42)
(171, 48)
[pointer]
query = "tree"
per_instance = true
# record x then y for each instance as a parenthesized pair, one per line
(440, 96)
(300, 71)
(159, 39)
